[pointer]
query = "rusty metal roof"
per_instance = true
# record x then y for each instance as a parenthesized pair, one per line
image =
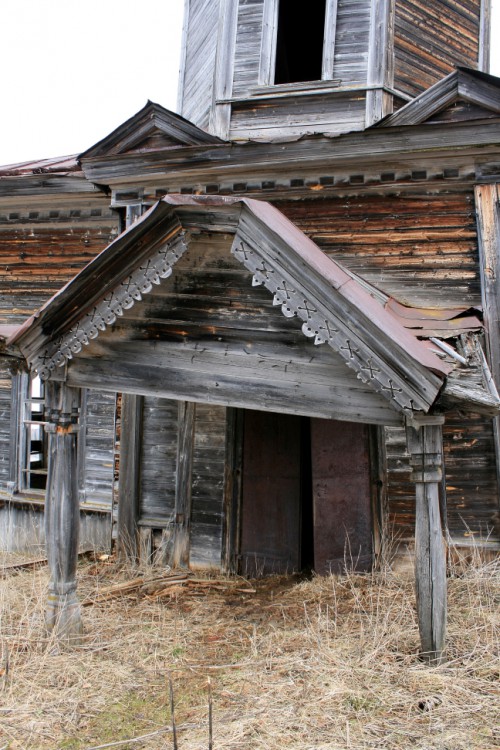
(56, 165)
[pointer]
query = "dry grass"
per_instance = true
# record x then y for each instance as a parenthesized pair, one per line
(322, 663)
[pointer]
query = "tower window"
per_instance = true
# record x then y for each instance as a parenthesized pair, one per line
(299, 41)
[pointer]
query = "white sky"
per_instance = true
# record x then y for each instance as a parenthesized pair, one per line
(73, 70)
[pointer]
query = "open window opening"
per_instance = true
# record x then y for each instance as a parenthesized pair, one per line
(299, 41)
(33, 454)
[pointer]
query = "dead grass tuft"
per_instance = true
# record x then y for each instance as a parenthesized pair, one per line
(325, 663)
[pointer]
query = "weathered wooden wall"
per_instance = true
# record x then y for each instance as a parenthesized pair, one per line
(208, 335)
(43, 246)
(422, 248)
(198, 67)
(5, 412)
(431, 38)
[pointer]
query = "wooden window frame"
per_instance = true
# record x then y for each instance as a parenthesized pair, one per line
(269, 37)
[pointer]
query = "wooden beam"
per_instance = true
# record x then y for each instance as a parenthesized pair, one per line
(424, 441)
(182, 521)
(488, 221)
(128, 487)
(62, 513)
(484, 36)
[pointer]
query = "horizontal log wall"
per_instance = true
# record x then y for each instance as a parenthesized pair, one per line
(430, 38)
(420, 247)
(42, 249)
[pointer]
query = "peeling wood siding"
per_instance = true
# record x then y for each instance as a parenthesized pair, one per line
(5, 436)
(419, 247)
(471, 484)
(431, 38)
(39, 255)
(99, 449)
(271, 118)
(199, 65)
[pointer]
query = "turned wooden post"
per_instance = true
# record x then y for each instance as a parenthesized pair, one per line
(424, 440)
(62, 512)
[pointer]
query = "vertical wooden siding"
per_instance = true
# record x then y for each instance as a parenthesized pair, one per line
(199, 64)
(5, 437)
(98, 470)
(430, 38)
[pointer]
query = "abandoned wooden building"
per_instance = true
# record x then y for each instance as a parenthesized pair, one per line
(263, 334)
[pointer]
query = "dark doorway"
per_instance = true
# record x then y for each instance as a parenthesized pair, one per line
(299, 42)
(306, 495)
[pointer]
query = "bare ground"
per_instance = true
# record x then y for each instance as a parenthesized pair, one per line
(305, 664)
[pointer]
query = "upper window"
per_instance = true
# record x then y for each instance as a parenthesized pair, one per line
(299, 41)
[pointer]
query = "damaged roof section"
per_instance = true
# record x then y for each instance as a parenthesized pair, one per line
(333, 306)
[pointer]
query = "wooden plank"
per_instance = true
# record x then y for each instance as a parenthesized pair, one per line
(183, 485)
(484, 37)
(128, 487)
(224, 68)
(424, 439)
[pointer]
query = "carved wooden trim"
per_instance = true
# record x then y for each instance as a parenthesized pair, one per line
(322, 325)
(124, 296)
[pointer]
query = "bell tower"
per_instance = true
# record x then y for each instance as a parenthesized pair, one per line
(280, 69)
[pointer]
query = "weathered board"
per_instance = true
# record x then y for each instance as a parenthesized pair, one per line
(431, 38)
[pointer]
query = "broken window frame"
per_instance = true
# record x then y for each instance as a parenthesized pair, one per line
(269, 45)
(31, 431)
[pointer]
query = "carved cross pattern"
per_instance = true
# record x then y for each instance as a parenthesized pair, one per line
(349, 348)
(329, 329)
(371, 369)
(288, 291)
(242, 251)
(308, 310)
(392, 388)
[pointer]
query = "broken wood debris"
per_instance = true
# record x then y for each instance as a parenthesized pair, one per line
(158, 587)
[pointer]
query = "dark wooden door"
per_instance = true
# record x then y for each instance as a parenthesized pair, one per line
(270, 520)
(342, 517)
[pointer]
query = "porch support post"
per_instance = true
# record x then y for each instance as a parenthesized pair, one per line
(62, 513)
(424, 441)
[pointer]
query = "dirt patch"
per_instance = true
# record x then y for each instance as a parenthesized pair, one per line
(330, 662)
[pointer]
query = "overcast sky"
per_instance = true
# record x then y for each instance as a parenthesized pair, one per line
(72, 71)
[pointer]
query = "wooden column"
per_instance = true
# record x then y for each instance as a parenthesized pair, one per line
(182, 522)
(424, 440)
(62, 512)
(128, 486)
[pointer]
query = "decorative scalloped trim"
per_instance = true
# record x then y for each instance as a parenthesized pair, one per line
(123, 297)
(317, 326)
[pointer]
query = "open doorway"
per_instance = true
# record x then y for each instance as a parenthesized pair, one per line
(305, 495)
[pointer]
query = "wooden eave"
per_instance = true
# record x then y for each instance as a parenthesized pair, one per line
(153, 118)
(334, 308)
(464, 84)
(384, 147)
